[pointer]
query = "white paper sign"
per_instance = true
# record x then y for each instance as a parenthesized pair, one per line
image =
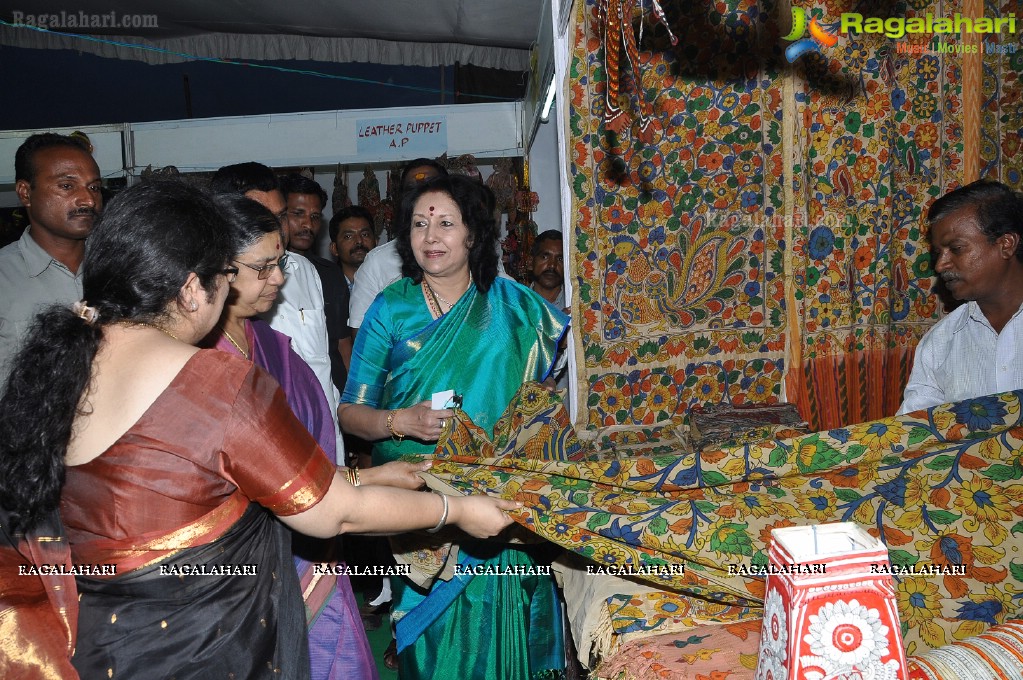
(442, 399)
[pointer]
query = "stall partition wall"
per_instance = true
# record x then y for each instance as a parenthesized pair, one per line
(762, 237)
(321, 140)
(313, 138)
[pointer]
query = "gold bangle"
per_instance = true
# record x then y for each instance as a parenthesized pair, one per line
(353, 476)
(390, 426)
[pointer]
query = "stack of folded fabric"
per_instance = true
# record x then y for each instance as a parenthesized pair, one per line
(730, 651)
(724, 425)
(995, 653)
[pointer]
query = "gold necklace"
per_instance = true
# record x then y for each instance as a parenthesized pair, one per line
(436, 296)
(130, 324)
(431, 300)
(236, 345)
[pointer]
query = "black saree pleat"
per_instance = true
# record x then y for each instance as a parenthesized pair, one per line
(158, 622)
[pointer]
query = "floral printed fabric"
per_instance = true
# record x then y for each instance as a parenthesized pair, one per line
(711, 269)
(882, 137)
(940, 487)
(679, 241)
(1002, 104)
(730, 653)
(708, 653)
(535, 425)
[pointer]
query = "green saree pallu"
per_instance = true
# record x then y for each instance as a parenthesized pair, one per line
(484, 349)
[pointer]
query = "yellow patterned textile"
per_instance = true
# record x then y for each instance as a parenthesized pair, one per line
(1002, 102)
(939, 487)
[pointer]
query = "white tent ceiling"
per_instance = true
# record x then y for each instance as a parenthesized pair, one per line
(490, 33)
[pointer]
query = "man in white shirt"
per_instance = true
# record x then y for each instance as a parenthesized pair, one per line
(299, 310)
(978, 348)
(305, 201)
(381, 268)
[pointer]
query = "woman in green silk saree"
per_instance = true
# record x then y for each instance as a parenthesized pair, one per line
(451, 324)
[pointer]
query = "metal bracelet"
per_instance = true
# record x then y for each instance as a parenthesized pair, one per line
(443, 516)
(390, 426)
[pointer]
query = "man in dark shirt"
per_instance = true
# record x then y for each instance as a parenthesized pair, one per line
(351, 237)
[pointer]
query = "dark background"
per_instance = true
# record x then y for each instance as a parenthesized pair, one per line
(64, 88)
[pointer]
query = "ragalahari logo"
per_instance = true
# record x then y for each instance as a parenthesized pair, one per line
(818, 36)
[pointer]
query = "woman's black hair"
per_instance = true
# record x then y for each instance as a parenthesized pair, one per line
(147, 241)
(476, 203)
(247, 220)
(405, 186)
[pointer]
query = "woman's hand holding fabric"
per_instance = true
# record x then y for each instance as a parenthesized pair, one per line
(481, 516)
(422, 422)
(397, 473)
(388, 510)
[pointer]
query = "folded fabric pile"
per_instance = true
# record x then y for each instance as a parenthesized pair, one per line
(724, 425)
(995, 653)
(730, 651)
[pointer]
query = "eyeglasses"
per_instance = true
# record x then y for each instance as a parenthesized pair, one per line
(231, 273)
(264, 271)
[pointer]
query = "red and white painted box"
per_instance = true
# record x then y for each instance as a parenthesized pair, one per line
(829, 608)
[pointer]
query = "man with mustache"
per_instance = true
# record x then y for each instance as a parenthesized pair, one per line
(304, 218)
(977, 349)
(58, 183)
(548, 273)
(548, 269)
(351, 237)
